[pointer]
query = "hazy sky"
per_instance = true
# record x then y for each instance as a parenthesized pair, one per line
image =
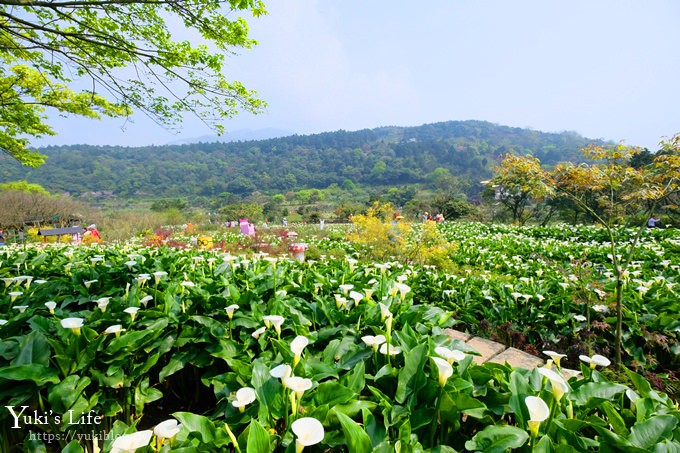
(605, 69)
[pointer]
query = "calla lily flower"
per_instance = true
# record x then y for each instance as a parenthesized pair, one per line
(14, 294)
(282, 371)
(167, 429)
(116, 328)
(130, 264)
(297, 384)
(3, 322)
(308, 431)
(256, 334)
(132, 311)
(187, 284)
(356, 297)
(559, 385)
(144, 300)
(374, 341)
(8, 281)
(368, 292)
(274, 320)
(580, 318)
(595, 360)
(538, 413)
(89, 283)
(230, 310)
(556, 357)
(384, 311)
(297, 346)
(129, 443)
(158, 274)
(345, 288)
(102, 303)
(450, 355)
(73, 323)
(21, 308)
(394, 350)
(51, 305)
(403, 289)
(445, 370)
(244, 396)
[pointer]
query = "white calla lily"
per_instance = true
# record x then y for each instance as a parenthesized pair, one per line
(116, 329)
(282, 371)
(51, 305)
(445, 370)
(132, 311)
(595, 360)
(244, 396)
(102, 303)
(129, 443)
(73, 323)
(230, 310)
(274, 320)
(297, 346)
(256, 334)
(374, 341)
(451, 355)
(167, 429)
(308, 431)
(393, 350)
(556, 357)
(559, 385)
(538, 413)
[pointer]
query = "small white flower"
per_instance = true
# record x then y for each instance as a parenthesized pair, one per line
(297, 384)
(256, 334)
(145, 300)
(72, 323)
(51, 305)
(282, 371)
(356, 297)
(21, 308)
(449, 355)
(187, 284)
(559, 385)
(230, 310)
(129, 443)
(445, 370)
(308, 431)
(555, 356)
(394, 350)
(158, 274)
(274, 320)
(595, 360)
(116, 328)
(102, 303)
(132, 311)
(601, 308)
(14, 294)
(373, 341)
(244, 396)
(538, 412)
(89, 283)
(167, 429)
(130, 264)
(345, 288)
(580, 318)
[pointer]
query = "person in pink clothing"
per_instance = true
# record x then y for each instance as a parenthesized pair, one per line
(92, 231)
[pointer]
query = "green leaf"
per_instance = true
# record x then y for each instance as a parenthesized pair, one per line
(63, 395)
(357, 378)
(497, 439)
(73, 447)
(652, 431)
(33, 348)
(258, 438)
(411, 377)
(39, 374)
(356, 438)
(333, 393)
(596, 390)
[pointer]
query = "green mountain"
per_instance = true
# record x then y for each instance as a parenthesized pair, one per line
(386, 156)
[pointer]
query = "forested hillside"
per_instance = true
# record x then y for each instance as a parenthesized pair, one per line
(391, 156)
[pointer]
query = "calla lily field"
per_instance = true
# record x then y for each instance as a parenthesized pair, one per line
(148, 348)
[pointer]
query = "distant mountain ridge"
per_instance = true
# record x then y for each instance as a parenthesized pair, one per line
(238, 135)
(384, 156)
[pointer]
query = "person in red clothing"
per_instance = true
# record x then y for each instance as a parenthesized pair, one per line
(92, 231)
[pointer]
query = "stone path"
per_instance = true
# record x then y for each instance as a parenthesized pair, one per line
(490, 351)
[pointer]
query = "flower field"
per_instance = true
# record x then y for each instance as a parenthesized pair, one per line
(145, 348)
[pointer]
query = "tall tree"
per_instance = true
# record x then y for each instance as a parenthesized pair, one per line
(608, 189)
(518, 181)
(125, 55)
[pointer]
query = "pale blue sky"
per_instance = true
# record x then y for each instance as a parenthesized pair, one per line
(603, 68)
